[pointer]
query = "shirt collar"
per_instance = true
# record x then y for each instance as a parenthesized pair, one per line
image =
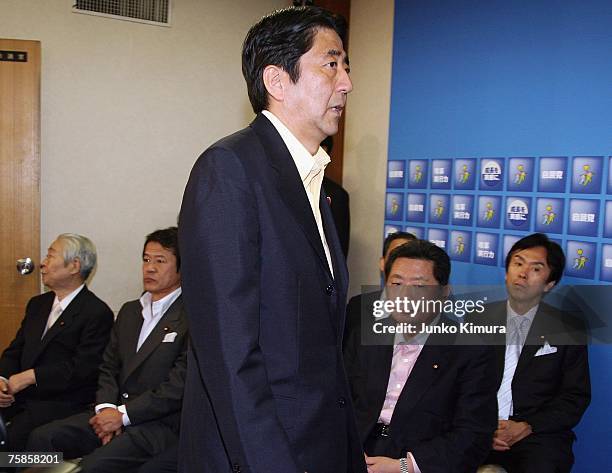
(304, 161)
(160, 306)
(530, 314)
(65, 302)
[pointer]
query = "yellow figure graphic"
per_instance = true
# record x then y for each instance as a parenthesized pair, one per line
(521, 174)
(460, 246)
(581, 260)
(418, 174)
(587, 176)
(439, 210)
(549, 216)
(465, 174)
(489, 212)
(394, 206)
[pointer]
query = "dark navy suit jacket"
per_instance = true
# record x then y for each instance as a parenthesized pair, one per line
(266, 389)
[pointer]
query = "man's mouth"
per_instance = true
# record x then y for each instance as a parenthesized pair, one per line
(338, 109)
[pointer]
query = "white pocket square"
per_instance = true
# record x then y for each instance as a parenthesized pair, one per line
(169, 338)
(546, 350)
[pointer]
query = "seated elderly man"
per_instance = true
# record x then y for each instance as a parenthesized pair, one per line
(50, 370)
(140, 389)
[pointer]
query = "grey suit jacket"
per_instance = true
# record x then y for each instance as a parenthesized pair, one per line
(149, 382)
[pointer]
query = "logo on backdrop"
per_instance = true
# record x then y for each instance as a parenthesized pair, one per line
(416, 208)
(586, 174)
(394, 206)
(583, 217)
(520, 176)
(553, 174)
(417, 174)
(491, 174)
(580, 259)
(438, 237)
(396, 174)
(549, 215)
(517, 213)
(441, 173)
(465, 174)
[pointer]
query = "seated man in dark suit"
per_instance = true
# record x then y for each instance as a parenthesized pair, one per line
(140, 389)
(50, 370)
(355, 309)
(423, 402)
(543, 367)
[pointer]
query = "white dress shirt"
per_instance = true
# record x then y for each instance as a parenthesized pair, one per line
(311, 169)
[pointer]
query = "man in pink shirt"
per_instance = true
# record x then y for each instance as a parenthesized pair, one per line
(425, 402)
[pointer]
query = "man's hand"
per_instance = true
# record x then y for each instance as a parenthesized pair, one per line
(105, 438)
(508, 433)
(6, 398)
(107, 421)
(385, 465)
(20, 381)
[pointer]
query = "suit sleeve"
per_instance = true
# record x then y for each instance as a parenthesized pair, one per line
(164, 399)
(83, 367)
(10, 362)
(565, 409)
(465, 446)
(220, 249)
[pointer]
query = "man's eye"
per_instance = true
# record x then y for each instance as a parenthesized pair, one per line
(332, 64)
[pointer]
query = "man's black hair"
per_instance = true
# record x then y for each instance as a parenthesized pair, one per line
(168, 238)
(555, 258)
(281, 39)
(423, 250)
(396, 236)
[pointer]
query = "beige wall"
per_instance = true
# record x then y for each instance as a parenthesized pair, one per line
(126, 109)
(367, 131)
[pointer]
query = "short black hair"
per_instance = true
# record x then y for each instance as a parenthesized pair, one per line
(423, 250)
(555, 258)
(168, 238)
(281, 39)
(396, 236)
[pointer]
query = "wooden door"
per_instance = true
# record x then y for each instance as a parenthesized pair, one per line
(19, 179)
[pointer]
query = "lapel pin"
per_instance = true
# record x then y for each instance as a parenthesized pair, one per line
(328, 200)
(61, 323)
(166, 329)
(435, 366)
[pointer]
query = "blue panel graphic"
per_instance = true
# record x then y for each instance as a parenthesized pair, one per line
(417, 174)
(518, 213)
(520, 174)
(486, 248)
(610, 175)
(492, 174)
(581, 257)
(441, 173)
(549, 215)
(460, 246)
(391, 229)
(396, 174)
(553, 174)
(465, 174)
(416, 208)
(418, 232)
(608, 220)
(509, 240)
(394, 206)
(606, 263)
(586, 174)
(583, 217)
(439, 237)
(489, 211)
(462, 210)
(439, 208)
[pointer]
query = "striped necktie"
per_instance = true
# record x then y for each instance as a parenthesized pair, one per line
(514, 345)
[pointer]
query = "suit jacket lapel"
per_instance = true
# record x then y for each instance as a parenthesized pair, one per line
(289, 184)
(33, 334)
(535, 340)
(62, 321)
(430, 364)
(166, 325)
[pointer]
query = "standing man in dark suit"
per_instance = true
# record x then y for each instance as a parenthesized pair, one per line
(543, 367)
(264, 276)
(50, 370)
(424, 402)
(140, 390)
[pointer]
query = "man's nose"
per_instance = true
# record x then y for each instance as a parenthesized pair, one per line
(345, 84)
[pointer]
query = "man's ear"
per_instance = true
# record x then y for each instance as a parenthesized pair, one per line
(381, 265)
(76, 266)
(273, 81)
(549, 286)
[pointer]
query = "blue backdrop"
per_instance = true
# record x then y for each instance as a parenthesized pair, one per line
(501, 125)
